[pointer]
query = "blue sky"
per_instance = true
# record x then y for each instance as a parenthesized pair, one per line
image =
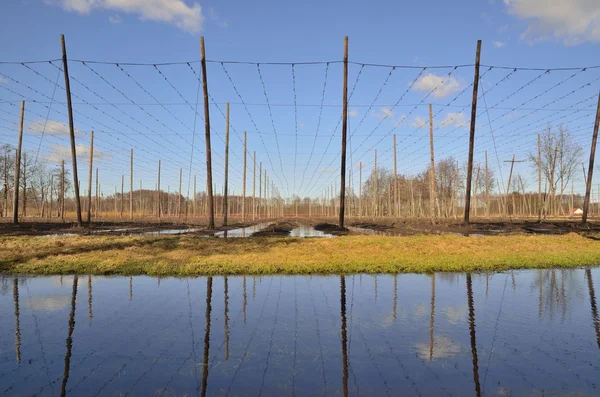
(515, 33)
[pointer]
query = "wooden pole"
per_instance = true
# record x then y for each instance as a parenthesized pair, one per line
(588, 185)
(225, 187)
(179, 197)
(90, 176)
(122, 193)
(344, 131)
(360, 188)
(472, 134)
(396, 193)
(158, 192)
(18, 167)
(259, 189)
(244, 183)
(71, 130)
(487, 187)
(97, 201)
(209, 183)
(131, 185)
(432, 192)
(512, 164)
(375, 192)
(541, 207)
(62, 189)
(254, 190)
(194, 198)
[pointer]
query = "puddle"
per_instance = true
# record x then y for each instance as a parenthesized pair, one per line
(308, 231)
(522, 333)
(242, 232)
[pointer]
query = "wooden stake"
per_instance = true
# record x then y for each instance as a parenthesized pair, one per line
(62, 189)
(588, 185)
(375, 192)
(344, 128)
(254, 190)
(71, 130)
(244, 183)
(131, 185)
(472, 134)
(122, 193)
(225, 204)
(158, 192)
(209, 183)
(540, 209)
(432, 193)
(360, 189)
(179, 197)
(194, 198)
(487, 187)
(90, 176)
(97, 204)
(18, 167)
(259, 189)
(396, 193)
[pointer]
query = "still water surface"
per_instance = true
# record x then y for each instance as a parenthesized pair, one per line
(527, 333)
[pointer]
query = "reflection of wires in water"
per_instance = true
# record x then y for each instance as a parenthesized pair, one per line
(271, 340)
(312, 299)
(191, 330)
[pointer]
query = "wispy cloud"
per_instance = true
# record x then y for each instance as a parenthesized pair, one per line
(212, 14)
(52, 127)
(58, 153)
(455, 119)
(499, 44)
(174, 12)
(418, 122)
(352, 113)
(3, 80)
(440, 86)
(572, 22)
(114, 19)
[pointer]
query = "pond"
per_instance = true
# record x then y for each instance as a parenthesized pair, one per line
(525, 333)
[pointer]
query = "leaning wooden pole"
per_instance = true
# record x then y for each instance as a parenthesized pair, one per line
(18, 167)
(472, 134)
(588, 186)
(90, 176)
(244, 183)
(225, 187)
(71, 130)
(209, 182)
(344, 132)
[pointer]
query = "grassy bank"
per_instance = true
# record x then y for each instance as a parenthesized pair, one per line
(186, 255)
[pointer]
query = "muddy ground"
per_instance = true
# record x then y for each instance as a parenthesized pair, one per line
(283, 227)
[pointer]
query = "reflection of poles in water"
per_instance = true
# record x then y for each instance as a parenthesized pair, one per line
(540, 299)
(226, 306)
(245, 299)
(253, 287)
(344, 335)
(432, 319)
(395, 296)
(487, 284)
(207, 335)
(17, 322)
(90, 314)
(472, 333)
(63, 390)
(130, 288)
(588, 273)
(376, 289)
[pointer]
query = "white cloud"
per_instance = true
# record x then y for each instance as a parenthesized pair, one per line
(443, 347)
(352, 113)
(384, 113)
(455, 119)
(502, 28)
(48, 303)
(174, 12)
(440, 85)
(570, 21)
(52, 127)
(60, 152)
(114, 19)
(499, 44)
(418, 122)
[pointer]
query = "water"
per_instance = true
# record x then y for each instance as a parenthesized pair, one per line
(528, 333)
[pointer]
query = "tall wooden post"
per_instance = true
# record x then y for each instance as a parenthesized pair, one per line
(259, 188)
(158, 192)
(376, 191)
(540, 206)
(179, 197)
(131, 185)
(396, 193)
(344, 132)
(244, 183)
(209, 183)
(254, 190)
(97, 200)
(360, 189)
(432, 192)
(225, 187)
(194, 198)
(18, 167)
(588, 186)
(122, 194)
(472, 134)
(265, 195)
(487, 187)
(71, 130)
(90, 176)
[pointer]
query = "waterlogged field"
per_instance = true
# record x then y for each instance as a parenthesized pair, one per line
(521, 333)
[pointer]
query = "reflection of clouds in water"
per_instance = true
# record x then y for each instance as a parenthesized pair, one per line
(421, 310)
(456, 314)
(48, 303)
(66, 281)
(443, 347)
